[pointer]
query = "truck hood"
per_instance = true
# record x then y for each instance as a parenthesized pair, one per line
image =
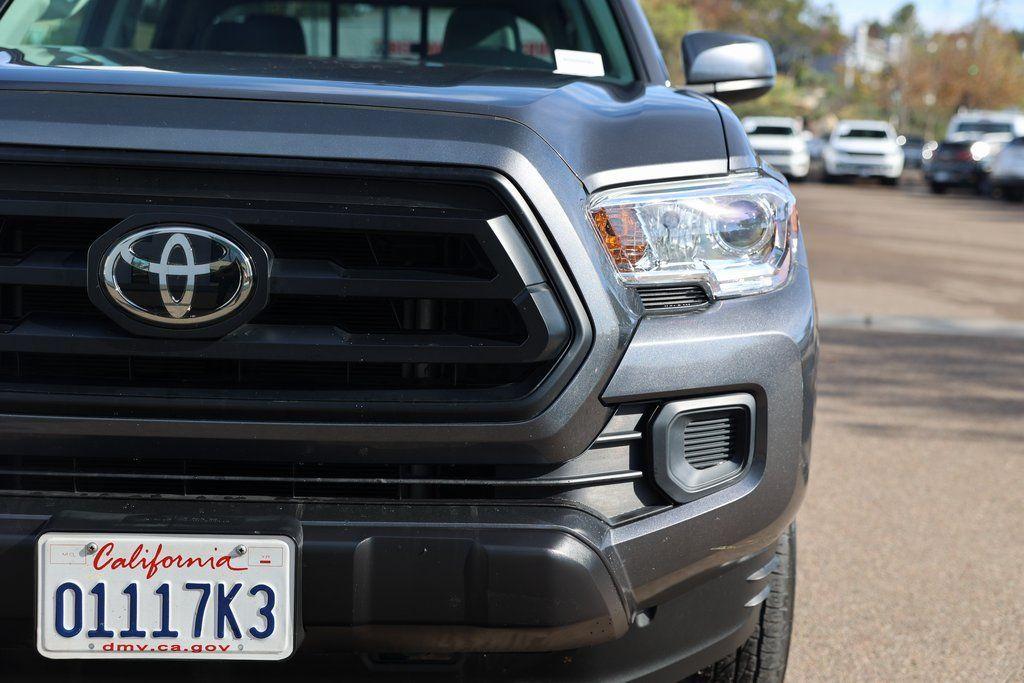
(606, 133)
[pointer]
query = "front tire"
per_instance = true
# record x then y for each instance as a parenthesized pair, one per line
(763, 658)
(891, 182)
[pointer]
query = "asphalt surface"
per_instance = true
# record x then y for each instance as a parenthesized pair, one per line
(911, 539)
(884, 251)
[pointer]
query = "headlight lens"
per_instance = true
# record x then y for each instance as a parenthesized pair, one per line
(737, 234)
(980, 150)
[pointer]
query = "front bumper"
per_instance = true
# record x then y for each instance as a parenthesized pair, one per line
(794, 166)
(406, 579)
(853, 166)
(1008, 182)
(965, 175)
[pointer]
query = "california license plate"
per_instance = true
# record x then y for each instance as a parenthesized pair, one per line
(144, 596)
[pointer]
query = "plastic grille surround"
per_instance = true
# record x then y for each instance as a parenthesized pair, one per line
(413, 292)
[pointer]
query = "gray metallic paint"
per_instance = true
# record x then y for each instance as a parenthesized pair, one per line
(595, 127)
(768, 344)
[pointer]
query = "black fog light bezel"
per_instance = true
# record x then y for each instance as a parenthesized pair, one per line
(672, 473)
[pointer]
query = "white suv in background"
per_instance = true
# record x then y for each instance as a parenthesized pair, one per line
(780, 142)
(990, 131)
(866, 149)
(996, 126)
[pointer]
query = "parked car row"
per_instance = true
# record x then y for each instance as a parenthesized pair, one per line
(983, 151)
(855, 148)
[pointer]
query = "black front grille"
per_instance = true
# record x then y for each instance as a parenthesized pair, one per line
(386, 293)
(715, 438)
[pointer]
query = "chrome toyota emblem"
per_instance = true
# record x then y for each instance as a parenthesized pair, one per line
(177, 276)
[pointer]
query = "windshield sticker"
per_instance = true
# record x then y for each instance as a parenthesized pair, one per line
(576, 63)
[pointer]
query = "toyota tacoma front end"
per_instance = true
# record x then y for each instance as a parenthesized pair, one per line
(428, 336)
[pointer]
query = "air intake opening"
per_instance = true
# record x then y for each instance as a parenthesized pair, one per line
(703, 444)
(715, 438)
(673, 297)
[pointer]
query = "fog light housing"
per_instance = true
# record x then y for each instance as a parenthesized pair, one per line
(701, 445)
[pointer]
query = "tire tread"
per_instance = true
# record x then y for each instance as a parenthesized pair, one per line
(763, 657)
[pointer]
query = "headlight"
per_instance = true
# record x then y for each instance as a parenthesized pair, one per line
(737, 234)
(980, 150)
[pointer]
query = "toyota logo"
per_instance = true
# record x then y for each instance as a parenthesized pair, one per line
(177, 276)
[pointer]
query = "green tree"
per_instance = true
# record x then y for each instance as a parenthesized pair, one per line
(671, 20)
(904, 20)
(800, 31)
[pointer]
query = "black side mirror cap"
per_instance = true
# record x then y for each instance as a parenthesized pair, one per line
(729, 66)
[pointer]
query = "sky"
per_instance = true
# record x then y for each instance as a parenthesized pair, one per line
(935, 14)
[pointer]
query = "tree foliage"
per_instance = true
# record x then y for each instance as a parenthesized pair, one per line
(671, 20)
(799, 31)
(929, 77)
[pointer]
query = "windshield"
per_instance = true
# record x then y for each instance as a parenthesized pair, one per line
(865, 133)
(771, 130)
(573, 37)
(983, 127)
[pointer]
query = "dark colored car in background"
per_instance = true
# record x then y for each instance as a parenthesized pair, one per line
(913, 150)
(444, 334)
(955, 164)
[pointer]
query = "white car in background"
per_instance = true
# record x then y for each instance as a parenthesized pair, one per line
(780, 142)
(989, 131)
(865, 149)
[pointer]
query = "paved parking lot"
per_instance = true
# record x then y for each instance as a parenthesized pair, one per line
(912, 534)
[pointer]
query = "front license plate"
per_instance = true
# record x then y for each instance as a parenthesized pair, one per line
(144, 596)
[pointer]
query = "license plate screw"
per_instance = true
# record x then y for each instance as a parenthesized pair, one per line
(241, 550)
(91, 548)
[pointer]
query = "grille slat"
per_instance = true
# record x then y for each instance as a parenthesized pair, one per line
(379, 284)
(228, 375)
(715, 438)
(669, 297)
(287, 480)
(53, 333)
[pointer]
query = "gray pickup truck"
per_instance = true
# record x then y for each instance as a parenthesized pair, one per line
(421, 337)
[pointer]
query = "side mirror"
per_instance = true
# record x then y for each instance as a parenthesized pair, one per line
(731, 67)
